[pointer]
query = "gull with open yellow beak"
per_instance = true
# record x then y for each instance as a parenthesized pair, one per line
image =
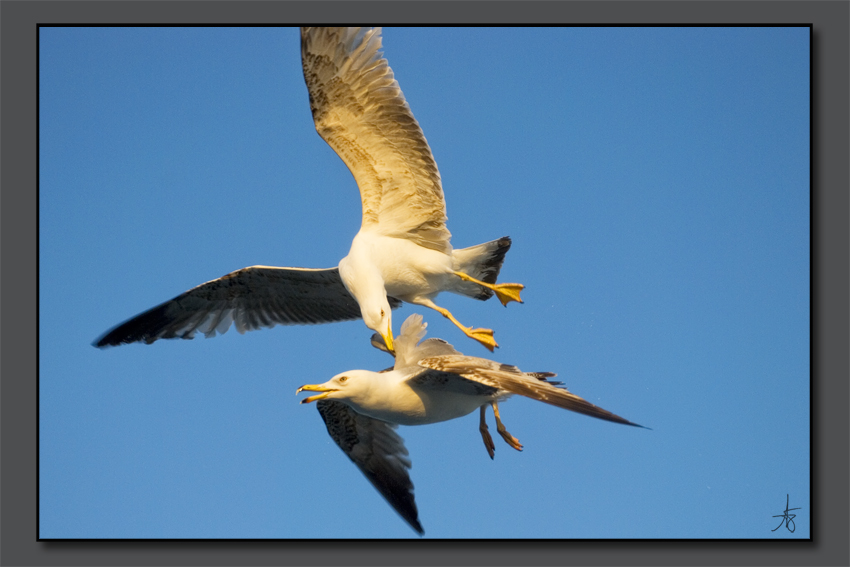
(430, 382)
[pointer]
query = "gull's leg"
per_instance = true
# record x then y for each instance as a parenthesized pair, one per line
(500, 427)
(485, 433)
(506, 292)
(483, 336)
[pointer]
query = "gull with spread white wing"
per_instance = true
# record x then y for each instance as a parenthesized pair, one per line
(430, 382)
(402, 251)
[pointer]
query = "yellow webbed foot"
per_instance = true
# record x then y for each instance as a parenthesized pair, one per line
(483, 336)
(508, 292)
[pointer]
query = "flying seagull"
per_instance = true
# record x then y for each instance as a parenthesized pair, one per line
(402, 251)
(430, 382)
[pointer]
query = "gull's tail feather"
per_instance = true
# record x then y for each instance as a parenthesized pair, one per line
(482, 262)
(544, 377)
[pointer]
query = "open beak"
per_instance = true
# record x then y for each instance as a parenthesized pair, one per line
(314, 388)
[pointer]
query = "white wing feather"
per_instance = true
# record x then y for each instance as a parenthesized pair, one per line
(409, 351)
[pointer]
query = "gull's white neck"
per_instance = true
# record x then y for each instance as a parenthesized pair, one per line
(358, 270)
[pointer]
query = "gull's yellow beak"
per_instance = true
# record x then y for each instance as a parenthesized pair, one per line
(388, 338)
(314, 388)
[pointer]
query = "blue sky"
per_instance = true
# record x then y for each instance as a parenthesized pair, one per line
(655, 182)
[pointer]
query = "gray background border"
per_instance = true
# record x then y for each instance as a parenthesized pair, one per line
(831, 282)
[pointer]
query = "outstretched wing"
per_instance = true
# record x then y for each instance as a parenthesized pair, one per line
(534, 385)
(379, 453)
(360, 111)
(252, 298)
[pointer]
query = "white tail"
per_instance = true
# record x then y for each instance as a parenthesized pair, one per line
(481, 262)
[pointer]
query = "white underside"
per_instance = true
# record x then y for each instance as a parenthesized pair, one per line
(409, 271)
(397, 400)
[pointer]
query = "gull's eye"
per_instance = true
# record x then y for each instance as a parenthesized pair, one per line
(382, 312)
(343, 378)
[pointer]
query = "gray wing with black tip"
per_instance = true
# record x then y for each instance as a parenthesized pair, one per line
(379, 453)
(250, 298)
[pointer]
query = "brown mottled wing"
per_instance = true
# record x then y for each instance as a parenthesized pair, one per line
(252, 298)
(428, 379)
(509, 378)
(379, 453)
(360, 111)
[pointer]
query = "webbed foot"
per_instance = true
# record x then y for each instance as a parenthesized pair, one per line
(483, 336)
(508, 292)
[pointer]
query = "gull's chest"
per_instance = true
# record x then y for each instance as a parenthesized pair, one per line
(407, 268)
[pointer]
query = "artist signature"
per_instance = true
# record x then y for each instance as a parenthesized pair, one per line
(787, 519)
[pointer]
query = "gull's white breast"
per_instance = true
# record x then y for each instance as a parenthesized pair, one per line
(406, 404)
(408, 270)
